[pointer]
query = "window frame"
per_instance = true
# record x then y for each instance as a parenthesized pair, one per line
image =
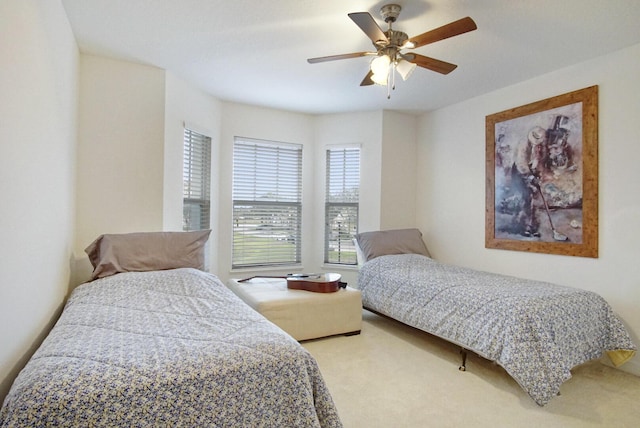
(196, 179)
(346, 252)
(266, 221)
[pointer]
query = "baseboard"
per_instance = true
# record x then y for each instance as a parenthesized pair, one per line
(632, 366)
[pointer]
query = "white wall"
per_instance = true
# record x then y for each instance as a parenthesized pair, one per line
(398, 172)
(387, 175)
(38, 96)
(451, 184)
(185, 104)
(353, 128)
(120, 149)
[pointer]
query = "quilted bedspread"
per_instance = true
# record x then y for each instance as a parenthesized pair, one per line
(536, 331)
(167, 348)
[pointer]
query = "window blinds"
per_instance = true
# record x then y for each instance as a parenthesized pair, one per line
(342, 196)
(196, 180)
(267, 203)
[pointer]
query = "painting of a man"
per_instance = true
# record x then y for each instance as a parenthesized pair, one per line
(538, 178)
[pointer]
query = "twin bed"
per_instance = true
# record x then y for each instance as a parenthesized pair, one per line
(166, 346)
(536, 331)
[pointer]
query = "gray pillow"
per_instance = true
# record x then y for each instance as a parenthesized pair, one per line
(144, 251)
(386, 242)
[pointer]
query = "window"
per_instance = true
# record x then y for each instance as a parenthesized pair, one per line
(341, 205)
(267, 203)
(196, 181)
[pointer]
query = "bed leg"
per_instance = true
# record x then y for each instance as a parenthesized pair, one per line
(463, 367)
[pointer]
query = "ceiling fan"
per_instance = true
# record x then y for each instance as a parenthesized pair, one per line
(389, 45)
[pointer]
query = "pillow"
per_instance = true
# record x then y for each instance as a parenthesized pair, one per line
(385, 242)
(144, 251)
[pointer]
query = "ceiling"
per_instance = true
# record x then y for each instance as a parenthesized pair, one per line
(255, 51)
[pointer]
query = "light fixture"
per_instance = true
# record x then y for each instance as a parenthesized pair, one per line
(405, 68)
(408, 45)
(383, 69)
(380, 69)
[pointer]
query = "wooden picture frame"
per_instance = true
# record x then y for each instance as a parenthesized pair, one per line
(542, 176)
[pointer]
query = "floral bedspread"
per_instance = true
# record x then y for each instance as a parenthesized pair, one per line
(167, 348)
(536, 331)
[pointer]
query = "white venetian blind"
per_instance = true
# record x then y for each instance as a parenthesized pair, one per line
(342, 196)
(196, 181)
(267, 203)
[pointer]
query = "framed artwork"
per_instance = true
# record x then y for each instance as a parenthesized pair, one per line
(542, 176)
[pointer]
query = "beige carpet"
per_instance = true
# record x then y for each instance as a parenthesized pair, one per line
(394, 376)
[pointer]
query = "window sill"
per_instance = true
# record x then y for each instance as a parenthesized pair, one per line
(279, 268)
(334, 266)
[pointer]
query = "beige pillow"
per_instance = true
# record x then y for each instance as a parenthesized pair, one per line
(385, 242)
(144, 251)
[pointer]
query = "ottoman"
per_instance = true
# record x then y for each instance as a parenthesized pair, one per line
(302, 314)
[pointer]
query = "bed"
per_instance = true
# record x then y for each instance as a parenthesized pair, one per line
(536, 331)
(171, 347)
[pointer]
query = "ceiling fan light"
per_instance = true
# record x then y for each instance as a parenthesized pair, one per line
(405, 68)
(380, 78)
(380, 65)
(408, 45)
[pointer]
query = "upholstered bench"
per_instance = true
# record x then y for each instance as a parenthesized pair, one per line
(302, 314)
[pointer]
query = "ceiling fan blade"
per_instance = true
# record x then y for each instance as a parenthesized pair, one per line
(367, 24)
(455, 28)
(336, 57)
(430, 63)
(367, 79)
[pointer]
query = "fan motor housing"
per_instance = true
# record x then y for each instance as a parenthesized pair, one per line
(396, 38)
